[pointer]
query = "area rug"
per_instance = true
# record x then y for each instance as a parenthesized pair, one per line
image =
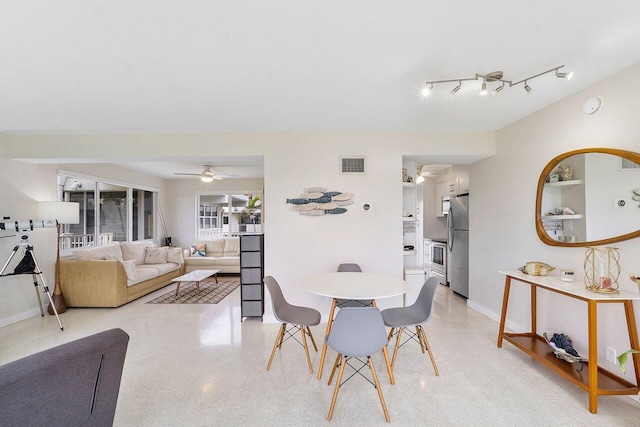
(210, 292)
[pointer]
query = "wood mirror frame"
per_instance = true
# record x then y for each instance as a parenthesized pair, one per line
(542, 233)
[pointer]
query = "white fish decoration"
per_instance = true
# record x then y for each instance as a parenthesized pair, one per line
(315, 190)
(343, 202)
(314, 212)
(315, 195)
(330, 205)
(343, 196)
(307, 207)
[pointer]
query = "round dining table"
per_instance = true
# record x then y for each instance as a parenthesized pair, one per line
(352, 286)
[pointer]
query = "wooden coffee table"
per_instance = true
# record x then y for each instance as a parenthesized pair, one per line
(195, 276)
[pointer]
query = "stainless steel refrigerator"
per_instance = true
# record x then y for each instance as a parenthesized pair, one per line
(458, 244)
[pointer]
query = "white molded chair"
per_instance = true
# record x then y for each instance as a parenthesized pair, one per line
(300, 319)
(400, 319)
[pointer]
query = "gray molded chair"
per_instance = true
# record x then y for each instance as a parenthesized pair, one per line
(358, 332)
(402, 318)
(299, 319)
(342, 303)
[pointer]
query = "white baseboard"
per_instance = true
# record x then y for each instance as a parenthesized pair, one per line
(18, 317)
(515, 327)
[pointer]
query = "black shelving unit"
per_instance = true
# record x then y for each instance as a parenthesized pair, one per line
(251, 275)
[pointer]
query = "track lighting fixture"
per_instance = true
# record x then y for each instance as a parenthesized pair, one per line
(496, 76)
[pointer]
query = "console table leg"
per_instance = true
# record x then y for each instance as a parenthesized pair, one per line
(633, 337)
(593, 356)
(505, 302)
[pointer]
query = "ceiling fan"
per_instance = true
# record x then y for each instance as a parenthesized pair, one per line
(207, 174)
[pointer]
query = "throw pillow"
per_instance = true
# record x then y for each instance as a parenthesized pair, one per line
(130, 270)
(175, 255)
(198, 249)
(155, 256)
(135, 251)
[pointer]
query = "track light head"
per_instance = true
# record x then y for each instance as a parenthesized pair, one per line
(426, 91)
(484, 88)
(564, 75)
(498, 89)
(527, 88)
(456, 89)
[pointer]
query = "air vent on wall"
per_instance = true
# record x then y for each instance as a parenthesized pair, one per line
(352, 165)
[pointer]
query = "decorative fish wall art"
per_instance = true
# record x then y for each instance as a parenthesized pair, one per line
(317, 201)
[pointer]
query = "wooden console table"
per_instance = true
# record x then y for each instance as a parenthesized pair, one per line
(597, 381)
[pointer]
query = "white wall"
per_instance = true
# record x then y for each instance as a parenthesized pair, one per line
(295, 245)
(503, 233)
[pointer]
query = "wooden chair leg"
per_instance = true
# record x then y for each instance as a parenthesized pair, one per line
(312, 340)
(377, 383)
(277, 343)
(423, 345)
(395, 349)
(306, 348)
(390, 334)
(335, 391)
(433, 360)
(333, 371)
(392, 380)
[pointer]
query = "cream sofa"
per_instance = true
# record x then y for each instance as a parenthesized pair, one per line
(219, 254)
(113, 275)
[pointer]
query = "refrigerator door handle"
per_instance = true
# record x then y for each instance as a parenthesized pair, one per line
(450, 240)
(449, 220)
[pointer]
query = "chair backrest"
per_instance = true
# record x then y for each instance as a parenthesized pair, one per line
(349, 267)
(424, 303)
(278, 302)
(358, 332)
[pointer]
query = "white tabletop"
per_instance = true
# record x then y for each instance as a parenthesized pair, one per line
(195, 276)
(350, 285)
(575, 288)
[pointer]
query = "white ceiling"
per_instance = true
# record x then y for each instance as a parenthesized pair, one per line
(289, 65)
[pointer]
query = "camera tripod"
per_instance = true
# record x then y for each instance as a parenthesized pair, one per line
(35, 274)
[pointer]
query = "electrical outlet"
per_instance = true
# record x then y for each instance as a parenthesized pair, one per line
(611, 354)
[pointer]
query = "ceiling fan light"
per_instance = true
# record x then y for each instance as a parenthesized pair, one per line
(206, 178)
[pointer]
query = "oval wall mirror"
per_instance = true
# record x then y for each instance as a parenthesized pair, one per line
(589, 197)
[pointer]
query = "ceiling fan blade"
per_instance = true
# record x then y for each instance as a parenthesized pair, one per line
(189, 174)
(223, 176)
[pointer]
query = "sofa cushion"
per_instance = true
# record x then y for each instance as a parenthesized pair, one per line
(215, 248)
(158, 269)
(228, 260)
(198, 249)
(232, 246)
(175, 255)
(134, 251)
(130, 270)
(201, 260)
(143, 273)
(97, 253)
(155, 255)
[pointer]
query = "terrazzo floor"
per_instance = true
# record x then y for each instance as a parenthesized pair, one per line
(199, 365)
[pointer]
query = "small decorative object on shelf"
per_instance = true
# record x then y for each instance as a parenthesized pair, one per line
(636, 279)
(602, 269)
(565, 172)
(536, 268)
(566, 275)
(562, 348)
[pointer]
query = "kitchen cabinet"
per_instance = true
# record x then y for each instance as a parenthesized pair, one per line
(459, 184)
